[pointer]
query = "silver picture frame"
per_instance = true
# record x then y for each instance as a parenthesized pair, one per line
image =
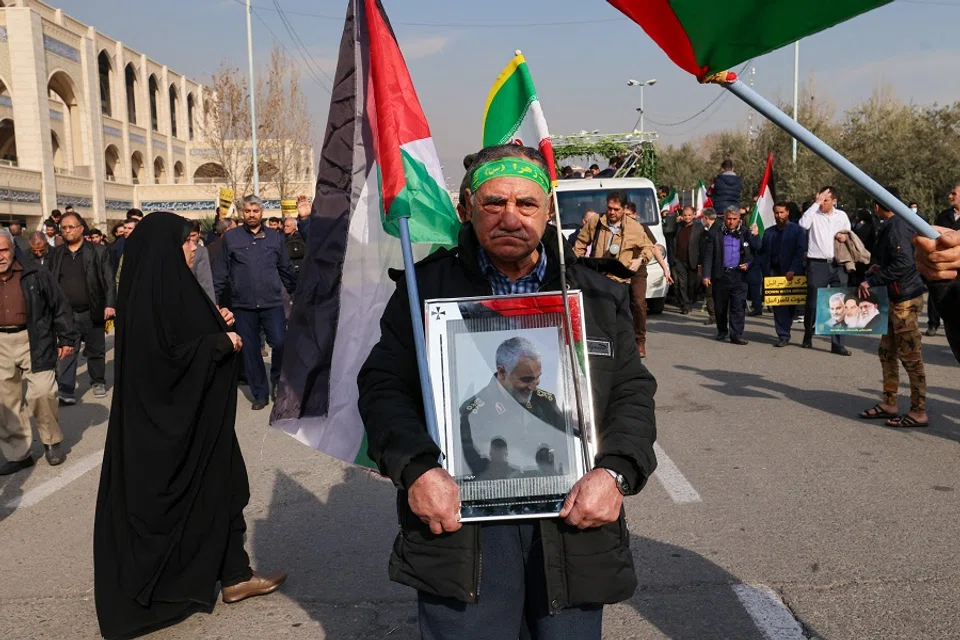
(503, 383)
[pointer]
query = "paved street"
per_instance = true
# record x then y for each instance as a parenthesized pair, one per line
(781, 515)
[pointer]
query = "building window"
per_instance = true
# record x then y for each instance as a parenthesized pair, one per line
(190, 115)
(131, 82)
(154, 93)
(105, 69)
(173, 111)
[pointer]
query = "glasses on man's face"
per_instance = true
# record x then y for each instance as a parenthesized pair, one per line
(69, 227)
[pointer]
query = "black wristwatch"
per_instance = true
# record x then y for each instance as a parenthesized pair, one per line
(622, 484)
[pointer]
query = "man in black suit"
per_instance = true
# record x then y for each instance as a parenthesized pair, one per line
(689, 232)
(730, 252)
(709, 220)
(948, 219)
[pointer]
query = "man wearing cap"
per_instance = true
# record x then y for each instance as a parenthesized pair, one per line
(541, 578)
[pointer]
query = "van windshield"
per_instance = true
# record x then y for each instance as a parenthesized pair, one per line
(573, 204)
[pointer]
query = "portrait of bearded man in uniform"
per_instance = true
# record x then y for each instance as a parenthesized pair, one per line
(512, 428)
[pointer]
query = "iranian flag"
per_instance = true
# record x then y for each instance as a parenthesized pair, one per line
(705, 37)
(702, 200)
(762, 214)
(670, 204)
(513, 113)
(378, 164)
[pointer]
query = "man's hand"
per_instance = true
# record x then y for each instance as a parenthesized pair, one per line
(304, 207)
(64, 352)
(789, 276)
(595, 500)
(235, 339)
(864, 290)
(939, 259)
(821, 197)
(706, 282)
(754, 229)
(873, 269)
(668, 277)
(109, 312)
(435, 498)
(742, 267)
(842, 236)
(636, 263)
(227, 315)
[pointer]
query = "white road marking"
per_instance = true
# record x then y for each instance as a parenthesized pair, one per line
(672, 480)
(771, 616)
(35, 495)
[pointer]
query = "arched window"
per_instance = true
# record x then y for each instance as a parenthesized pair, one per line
(178, 172)
(111, 159)
(190, 115)
(105, 68)
(173, 111)
(136, 167)
(159, 171)
(130, 80)
(154, 99)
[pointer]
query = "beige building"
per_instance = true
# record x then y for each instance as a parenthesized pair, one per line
(87, 121)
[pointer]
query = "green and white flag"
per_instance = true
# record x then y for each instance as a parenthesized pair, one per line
(762, 214)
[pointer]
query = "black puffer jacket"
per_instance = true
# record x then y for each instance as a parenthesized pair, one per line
(582, 567)
(893, 253)
(49, 317)
(98, 267)
(727, 188)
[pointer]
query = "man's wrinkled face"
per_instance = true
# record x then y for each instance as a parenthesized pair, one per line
(509, 217)
(732, 220)
(781, 215)
(851, 309)
(867, 309)
(6, 254)
(522, 382)
(836, 310)
(290, 226)
(39, 248)
(614, 211)
(252, 214)
(72, 229)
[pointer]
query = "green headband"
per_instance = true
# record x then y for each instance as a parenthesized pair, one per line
(510, 168)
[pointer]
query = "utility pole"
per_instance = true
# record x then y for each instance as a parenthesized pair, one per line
(796, 90)
(253, 102)
(750, 132)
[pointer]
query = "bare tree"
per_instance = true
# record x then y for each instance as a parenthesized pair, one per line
(226, 128)
(285, 125)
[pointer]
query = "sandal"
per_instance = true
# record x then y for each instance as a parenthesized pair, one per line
(878, 413)
(906, 421)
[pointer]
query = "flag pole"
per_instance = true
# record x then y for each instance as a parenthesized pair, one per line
(587, 437)
(419, 341)
(730, 82)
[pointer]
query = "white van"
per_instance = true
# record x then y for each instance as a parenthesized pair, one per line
(576, 197)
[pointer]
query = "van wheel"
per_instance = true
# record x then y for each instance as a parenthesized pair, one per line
(655, 306)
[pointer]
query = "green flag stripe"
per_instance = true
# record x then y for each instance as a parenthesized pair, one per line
(433, 219)
(508, 107)
(724, 35)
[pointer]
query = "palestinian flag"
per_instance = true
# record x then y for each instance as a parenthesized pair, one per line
(702, 200)
(513, 113)
(378, 164)
(704, 37)
(762, 214)
(670, 204)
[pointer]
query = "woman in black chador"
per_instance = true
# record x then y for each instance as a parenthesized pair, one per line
(169, 522)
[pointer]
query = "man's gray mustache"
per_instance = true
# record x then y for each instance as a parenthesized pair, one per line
(519, 235)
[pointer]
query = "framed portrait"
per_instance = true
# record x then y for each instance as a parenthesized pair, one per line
(842, 311)
(511, 432)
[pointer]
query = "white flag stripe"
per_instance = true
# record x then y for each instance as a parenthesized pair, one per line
(425, 151)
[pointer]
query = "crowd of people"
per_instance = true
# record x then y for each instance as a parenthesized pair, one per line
(871, 250)
(74, 272)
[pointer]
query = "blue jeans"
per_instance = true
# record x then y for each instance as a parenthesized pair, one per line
(248, 325)
(512, 596)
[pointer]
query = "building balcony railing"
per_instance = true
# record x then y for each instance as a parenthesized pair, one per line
(8, 162)
(76, 172)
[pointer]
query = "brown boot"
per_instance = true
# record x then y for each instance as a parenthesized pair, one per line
(257, 585)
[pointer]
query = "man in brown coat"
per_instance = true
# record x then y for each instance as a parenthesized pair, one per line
(615, 235)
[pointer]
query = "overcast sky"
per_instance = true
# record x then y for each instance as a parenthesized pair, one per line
(581, 54)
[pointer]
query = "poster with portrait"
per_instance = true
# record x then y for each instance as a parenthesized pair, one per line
(842, 311)
(503, 382)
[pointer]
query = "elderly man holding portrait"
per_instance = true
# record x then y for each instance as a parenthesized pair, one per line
(550, 576)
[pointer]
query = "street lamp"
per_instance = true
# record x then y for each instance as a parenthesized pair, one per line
(637, 83)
